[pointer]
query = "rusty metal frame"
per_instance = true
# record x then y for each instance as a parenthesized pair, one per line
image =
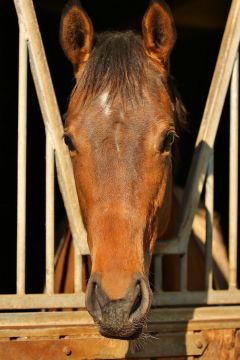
(176, 332)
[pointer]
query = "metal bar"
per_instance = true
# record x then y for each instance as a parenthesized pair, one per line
(210, 297)
(22, 162)
(183, 272)
(208, 130)
(75, 319)
(209, 206)
(211, 117)
(49, 319)
(49, 216)
(158, 272)
(233, 175)
(77, 271)
(52, 119)
(42, 301)
(76, 301)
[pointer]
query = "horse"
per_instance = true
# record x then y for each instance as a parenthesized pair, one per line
(123, 117)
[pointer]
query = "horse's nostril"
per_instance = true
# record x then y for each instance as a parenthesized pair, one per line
(136, 304)
(136, 307)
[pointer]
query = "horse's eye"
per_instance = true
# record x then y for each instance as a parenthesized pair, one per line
(167, 142)
(68, 141)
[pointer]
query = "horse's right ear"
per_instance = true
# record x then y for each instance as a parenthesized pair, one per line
(76, 33)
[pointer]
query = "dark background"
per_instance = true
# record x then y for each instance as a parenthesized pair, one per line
(200, 25)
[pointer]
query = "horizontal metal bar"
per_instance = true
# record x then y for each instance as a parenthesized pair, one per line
(42, 301)
(171, 246)
(172, 298)
(76, 319)
(40, 319)
(211, 297)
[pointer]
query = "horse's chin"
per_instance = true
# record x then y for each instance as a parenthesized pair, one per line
(125, 332)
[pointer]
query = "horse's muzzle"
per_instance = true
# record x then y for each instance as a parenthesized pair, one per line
(119, 318)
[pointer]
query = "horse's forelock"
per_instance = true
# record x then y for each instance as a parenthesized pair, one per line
(118, 64)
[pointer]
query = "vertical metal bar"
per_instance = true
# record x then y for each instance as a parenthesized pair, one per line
(49, 216)
(77, 270)
(52, 119)
(209, 206)
(158, 272)
(22, 162)
(233, 175)
(210, 121)
(183, 272)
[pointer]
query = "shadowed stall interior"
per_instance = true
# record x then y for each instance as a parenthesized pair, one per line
(200, 25)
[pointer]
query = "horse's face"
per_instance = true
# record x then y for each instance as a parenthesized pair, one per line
(119, 129)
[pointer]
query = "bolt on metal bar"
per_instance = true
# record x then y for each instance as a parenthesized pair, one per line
(77, 271)
(49, 216)
(52, 119)
(233, 175)
(158, 272)
(209, 206)
(22, 162)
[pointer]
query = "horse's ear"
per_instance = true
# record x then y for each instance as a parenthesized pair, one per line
(159, 32)
(76, 33)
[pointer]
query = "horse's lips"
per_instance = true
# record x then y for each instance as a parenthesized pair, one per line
(127, 332)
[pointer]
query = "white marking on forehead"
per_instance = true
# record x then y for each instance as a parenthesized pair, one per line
(121, 115)
(104, 103)
(117, 133)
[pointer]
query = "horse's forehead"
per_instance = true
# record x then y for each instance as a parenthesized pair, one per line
(104, 117)
(111, 124)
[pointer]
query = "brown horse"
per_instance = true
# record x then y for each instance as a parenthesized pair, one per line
(120, 126)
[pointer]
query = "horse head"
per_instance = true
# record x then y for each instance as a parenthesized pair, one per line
(120, 127)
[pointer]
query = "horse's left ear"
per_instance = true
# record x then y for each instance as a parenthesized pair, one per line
(76, 33)
(159, 32)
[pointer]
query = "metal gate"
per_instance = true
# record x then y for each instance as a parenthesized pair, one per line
(71, 333)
